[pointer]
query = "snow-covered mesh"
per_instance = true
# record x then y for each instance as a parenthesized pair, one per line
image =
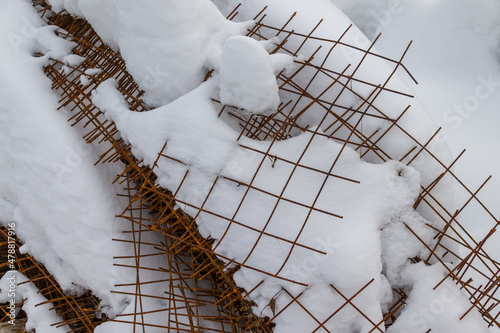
(203, 294)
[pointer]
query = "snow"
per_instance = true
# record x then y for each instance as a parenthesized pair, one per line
(456, 61)
(93, 71)
(283, 62)
(73, 60)
(40, 317)
(168, 45)
(466, 78)
(202, 143)
(84, 80)
(247, 78)
(437, 309)
(59, 201)
(461, 75)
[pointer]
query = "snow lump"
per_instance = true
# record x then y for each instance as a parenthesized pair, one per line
(247, 76)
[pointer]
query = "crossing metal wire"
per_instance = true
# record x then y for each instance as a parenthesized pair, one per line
(196, 275)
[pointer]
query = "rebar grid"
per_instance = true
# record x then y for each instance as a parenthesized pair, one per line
(194, 272)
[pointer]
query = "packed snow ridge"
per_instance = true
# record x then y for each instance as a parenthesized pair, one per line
(360, 226)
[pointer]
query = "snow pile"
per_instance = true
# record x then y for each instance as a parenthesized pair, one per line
(40, 317)
(63, 209)
(247, 76)
(168, 45)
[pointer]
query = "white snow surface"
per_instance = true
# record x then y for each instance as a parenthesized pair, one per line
(435, 309)
(247, 78)
(168, 45)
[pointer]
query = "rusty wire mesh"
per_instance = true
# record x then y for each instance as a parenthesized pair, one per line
(196, 275)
